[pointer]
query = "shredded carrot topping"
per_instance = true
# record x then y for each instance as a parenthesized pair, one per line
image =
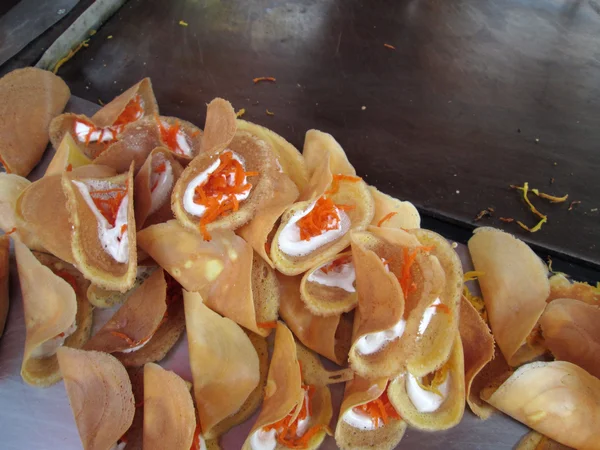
(108, 201)
(380, 410)
(405, 279)
(287, 429)
(272, 324)
(69, 167)
(168, 134)
(132, 112)
(323, 217)
(387, 217)
(443, 308)
(336, 264)
(335, 183)
(218, 193)
(196, 440)
(6, 169)
(123, 336)
(11, 231)
(259, 79)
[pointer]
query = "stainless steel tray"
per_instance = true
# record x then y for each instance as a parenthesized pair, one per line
(40, 419)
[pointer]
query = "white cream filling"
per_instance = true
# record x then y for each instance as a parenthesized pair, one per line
(194, 208)
(164, 183)
(113, 243)
(183, 144)
(361, 420)
(263, 440)
(119, 446)
(342, 277)
(291, 244)
(84, 133)
(373, 342)
(428, 315)
(426, 401)
(202, 443)
(303, 423)
(137, 347)
(49, 347)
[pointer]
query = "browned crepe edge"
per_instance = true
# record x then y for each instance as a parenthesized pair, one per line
(28, 94)
(220, 125)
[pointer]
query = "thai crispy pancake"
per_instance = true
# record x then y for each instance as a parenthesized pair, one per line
(514, 288)
(391, 212)
(286, 396)
(153, 187)
(225, 365)
(202, 200)
(291, 160)
(328, 290)
(328, 336)
(103, 221)
(348, 205)
(126, 106)
(100, 395)
(364, 398)
(56, 313)
(571, 333)
(105, 298)
(557, 399)
(169, 415)
(225, 271)
(31, 98)
(449, 412)
(478, 349)
(147, 326)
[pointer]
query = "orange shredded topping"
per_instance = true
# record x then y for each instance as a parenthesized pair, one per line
(335, 183)
(272, 324)
(405, 279)
(115, 130)
(196, 439)
(287, 429)
(168, 134)
(380, 410)
(11, 231)
(387, 217)
(268, 248)
(336, 264)
(126, 338)
(69, 167)
(218, 192)
(108, 202)
(323, 217)
(443, 308)
(132, 112)
(259, 79)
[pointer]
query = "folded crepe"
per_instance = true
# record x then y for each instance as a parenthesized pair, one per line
(146, 326)
(259, 231)
(294, 414)
(94, 135)
(436, 401)
(106, 298)
(367, 418)
(557, 399)
(31, 98)
(11, 187)
(324, 158)
(68, 156)
(4, 272)
(224, 189)
(391, 212)
(330, 288)
(515, 287)
(290, 159)
(231, 278)
(536, 441)
(56, 312)
(137, 140)
(478, 350)
(328, 336)
(169, 415)
(561, 287)
(571, 333)
(103, 236)
(226, 367)
(408, 293)
(100, 395)
(153, 186)
(313, 231)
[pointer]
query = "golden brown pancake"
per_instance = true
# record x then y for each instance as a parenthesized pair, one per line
(31, 98)
(68, 156)
(391, 212)
(112, 111)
